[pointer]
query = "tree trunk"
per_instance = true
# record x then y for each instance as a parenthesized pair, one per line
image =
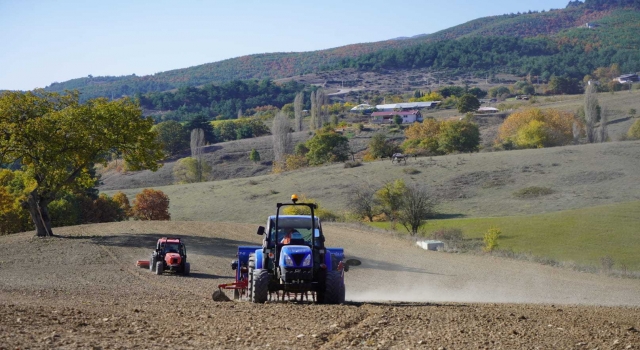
(39, 215)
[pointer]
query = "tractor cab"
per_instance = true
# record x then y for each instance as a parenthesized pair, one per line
(294, 230)
(171, 246)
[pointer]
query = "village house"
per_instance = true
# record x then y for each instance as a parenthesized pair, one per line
(628, 78)
(406, 106)
(487, 110)
(387, 117)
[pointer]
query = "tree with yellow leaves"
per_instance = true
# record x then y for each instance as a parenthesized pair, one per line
(536, 128)
(56, 140)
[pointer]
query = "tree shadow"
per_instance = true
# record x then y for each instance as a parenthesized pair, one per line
(438, 216)
(621, 120)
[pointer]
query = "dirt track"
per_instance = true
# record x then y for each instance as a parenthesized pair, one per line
(83, 290)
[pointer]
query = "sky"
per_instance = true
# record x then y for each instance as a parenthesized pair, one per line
(53, 41)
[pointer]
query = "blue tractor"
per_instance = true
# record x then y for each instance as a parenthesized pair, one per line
(292, 260)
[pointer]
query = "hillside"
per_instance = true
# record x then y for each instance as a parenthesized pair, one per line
(471, 185)
(551, 25)
(230, 160)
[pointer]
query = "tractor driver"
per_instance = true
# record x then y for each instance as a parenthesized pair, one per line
(287, 236)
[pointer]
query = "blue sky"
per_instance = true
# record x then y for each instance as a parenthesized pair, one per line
(47, 41)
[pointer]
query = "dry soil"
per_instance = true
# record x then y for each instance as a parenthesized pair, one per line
(83, 290)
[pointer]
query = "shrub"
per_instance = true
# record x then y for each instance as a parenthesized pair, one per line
(448, 235)
(534, 128)
(490, 239)
(323, 214)
(293, 162)
(532, 192)
(379, 146)
(458, 136)
(327, 146)
(14, 186)
(468, 103)
(151, 204)
(123, 203)
(634, 130)
(63, 212)
(190, 170)
(422, 137)
(254, 155)
(390, 198)
(108, 210)
(532, 135)
(411, 171)
(352, 164)
(607, 263)
(367, 157)
(301, 149)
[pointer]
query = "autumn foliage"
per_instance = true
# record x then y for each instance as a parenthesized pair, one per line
(151, 204)
(123, 203)
(536, 128)
(441, 137)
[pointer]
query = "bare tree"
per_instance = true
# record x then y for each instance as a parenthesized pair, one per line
(590, 112)
(322, 108)
(416, 206)
(363, 202)
(603, 132)
(281, 137)
(197, 143)
(297, 111)
(314, 113)
(239, 113)
(576, 133)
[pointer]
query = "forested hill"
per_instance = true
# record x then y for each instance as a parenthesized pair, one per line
(618, 20)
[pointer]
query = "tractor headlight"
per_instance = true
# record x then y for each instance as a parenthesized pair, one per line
(307, 261)
(288, 261)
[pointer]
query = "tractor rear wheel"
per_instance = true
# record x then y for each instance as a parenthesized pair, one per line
(334, 288)
(159, 268)
(260, 286)
(152, 263)
(187, 269)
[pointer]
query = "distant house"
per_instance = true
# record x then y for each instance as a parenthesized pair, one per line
(487, 110)
(628, 78)
(387, 117)
(363, 108)
(591, 25)
(407, 106)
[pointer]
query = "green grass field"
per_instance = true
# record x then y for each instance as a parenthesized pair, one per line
(583, 236)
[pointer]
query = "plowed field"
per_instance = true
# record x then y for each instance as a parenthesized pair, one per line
(82, 290)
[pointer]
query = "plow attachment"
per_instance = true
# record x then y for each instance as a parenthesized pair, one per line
(239, 291)
(143, 264)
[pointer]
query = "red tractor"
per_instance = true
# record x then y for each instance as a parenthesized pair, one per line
(170, 255)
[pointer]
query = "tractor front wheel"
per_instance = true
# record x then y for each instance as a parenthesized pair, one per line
(152, 263)
(159, 268)
(187, 269)
(334, 289)
(260, 286)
